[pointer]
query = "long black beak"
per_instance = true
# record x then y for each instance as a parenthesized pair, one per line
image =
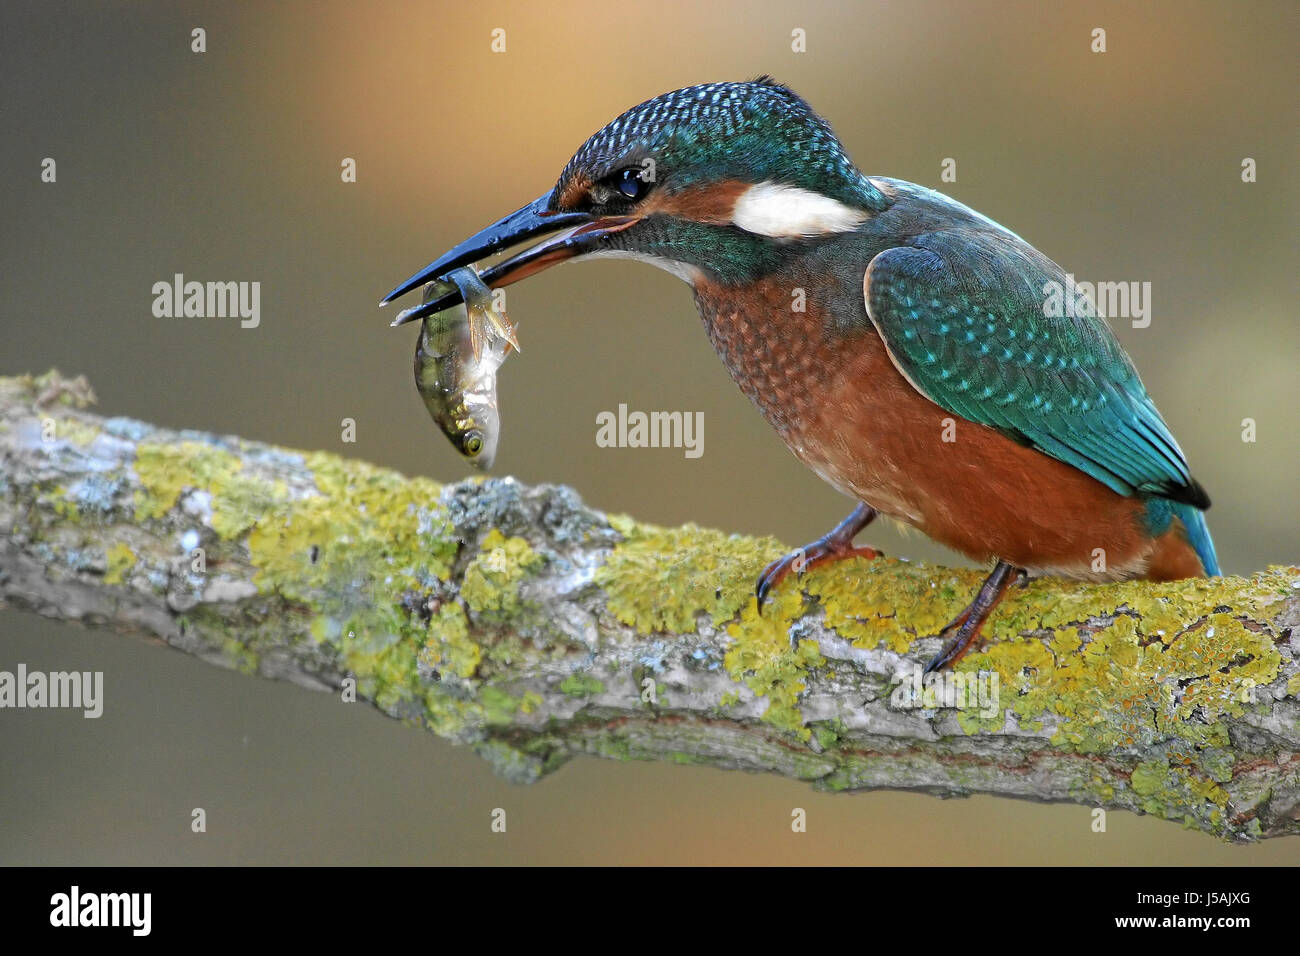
(535, 219)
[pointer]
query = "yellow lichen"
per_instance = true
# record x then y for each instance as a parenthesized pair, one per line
(120, 559)
(449, 647)
(660, 579)
(1143, 676)
(76, 431)
(762, 659)
(348, 551)
(492, 579)
(64, 505)
(238, 499)
(164, 472)
(870, 602)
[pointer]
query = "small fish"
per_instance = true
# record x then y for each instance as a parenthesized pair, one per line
(457, 381)
(485, 320)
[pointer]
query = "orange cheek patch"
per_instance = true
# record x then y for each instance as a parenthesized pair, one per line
(711, 204)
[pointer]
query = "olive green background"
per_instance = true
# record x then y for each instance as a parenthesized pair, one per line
(225, 166)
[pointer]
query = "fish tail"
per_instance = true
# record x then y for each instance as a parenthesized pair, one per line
(501, 324)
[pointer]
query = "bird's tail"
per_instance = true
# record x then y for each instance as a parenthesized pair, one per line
(1183, 548)
(1198, 536)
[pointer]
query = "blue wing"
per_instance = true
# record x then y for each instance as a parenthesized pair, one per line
(962, 313)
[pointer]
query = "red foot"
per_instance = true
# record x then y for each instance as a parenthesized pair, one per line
(965, 627)
(822, 551)
(968, 637)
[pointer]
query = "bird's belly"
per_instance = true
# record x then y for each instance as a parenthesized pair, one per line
(843, 409)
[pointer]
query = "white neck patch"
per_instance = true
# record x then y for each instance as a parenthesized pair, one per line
(683, 270)
(788, 212)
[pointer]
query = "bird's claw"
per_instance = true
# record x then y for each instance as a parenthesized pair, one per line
(966, 626)
(822, 551)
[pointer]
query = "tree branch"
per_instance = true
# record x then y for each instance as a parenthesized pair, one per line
(522, 623)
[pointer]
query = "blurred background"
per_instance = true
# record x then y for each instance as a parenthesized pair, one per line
(225, 165)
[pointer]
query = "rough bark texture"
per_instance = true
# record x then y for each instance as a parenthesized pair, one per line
(522, 623)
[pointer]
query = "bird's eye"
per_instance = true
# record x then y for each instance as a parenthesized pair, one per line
(631, 183)
(473, 443)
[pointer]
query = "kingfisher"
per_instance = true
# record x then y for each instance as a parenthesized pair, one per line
(904, 347)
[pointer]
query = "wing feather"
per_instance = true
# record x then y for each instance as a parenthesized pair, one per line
(962, 313)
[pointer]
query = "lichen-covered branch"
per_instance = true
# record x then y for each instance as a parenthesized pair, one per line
(522, 623)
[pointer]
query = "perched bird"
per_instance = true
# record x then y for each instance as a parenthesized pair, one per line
(899, 342)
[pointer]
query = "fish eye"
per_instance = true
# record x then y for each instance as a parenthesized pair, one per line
(630, 183)
(473, 443)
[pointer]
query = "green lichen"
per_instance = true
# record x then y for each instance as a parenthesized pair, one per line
(121, 559)
(1135, 681)
(612, 746)
(350, 554)
(243, 658)
(1141, 668)
(660, 579)
(240, 501)
(346, 553)
(827, 732)
(167, 470)
(493, 578)
(1149, 777)
(499, 707)
(684, 758)
(582, 685)
(363, 513)
(1177, 792)
(522, 764)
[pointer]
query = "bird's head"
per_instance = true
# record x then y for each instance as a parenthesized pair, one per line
(715, 181)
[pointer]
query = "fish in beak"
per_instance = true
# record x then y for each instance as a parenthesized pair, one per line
(457, 356)
(576, 233)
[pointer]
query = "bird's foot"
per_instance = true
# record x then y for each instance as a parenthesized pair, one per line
(966, 636)
(836, 545)
(803, 559)
(965, 627)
